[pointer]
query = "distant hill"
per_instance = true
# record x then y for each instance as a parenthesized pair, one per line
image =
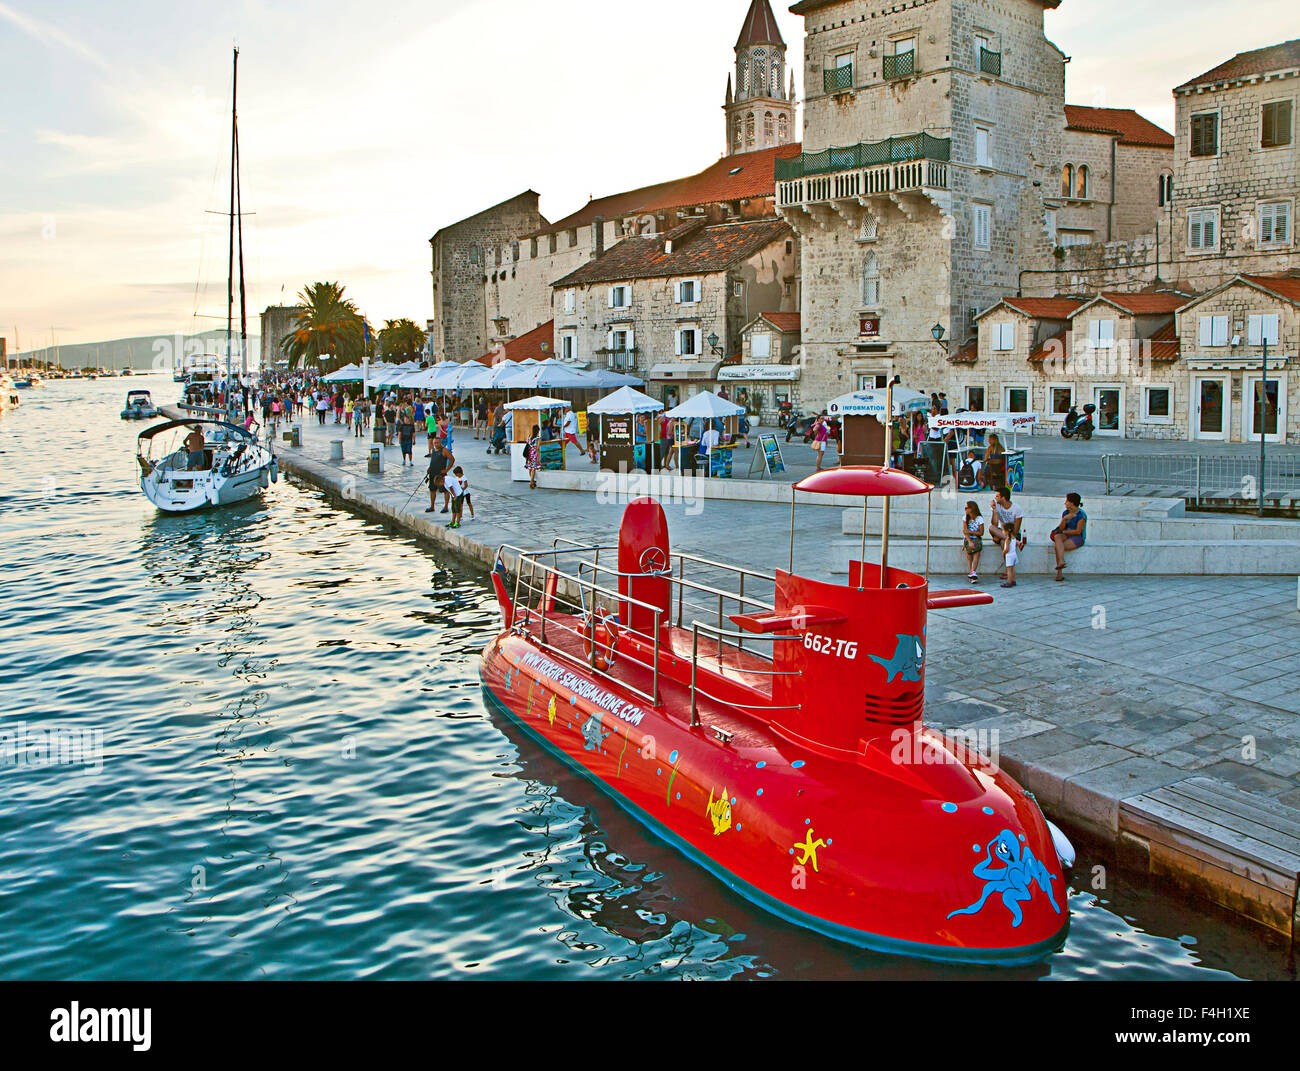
(139, 353)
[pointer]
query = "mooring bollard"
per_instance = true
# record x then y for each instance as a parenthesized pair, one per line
(336, 449)
(376, 459)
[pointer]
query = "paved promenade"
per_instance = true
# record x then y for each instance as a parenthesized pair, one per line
(1161, 713)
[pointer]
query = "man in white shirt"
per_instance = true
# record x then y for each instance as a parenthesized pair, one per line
(570, 428)
(1005, 530)
(710, 439)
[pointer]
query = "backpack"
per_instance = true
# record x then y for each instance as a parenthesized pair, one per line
(966, 474)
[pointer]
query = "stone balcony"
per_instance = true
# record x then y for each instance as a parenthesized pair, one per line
(907, 172)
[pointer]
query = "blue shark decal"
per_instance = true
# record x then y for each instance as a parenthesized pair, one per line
(592, 734)
(1019, 870)
(907, 660)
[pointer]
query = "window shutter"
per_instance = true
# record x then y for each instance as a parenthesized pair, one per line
(1194, 230)
(677, 343)
(1220, 330)
(1207, 331)
(1254, 329)
(1282, 222)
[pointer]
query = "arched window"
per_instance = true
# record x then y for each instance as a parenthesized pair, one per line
(749, 130)
(742, 75)
(870, 282)
(1083, 180)
(738, 136)
(783, 129)
(760, 72)
(769, 129)
(776, 74)
(1067, 180)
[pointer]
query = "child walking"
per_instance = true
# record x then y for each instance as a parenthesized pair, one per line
(972, 539)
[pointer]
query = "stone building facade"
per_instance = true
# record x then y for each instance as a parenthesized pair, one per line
(652, 304)
(1221, 336)
(462, 257)
(1110, 176)
(275, 324)
(933, 133)
(1237, 167)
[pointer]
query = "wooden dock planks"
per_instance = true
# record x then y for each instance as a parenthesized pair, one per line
(1239, 849)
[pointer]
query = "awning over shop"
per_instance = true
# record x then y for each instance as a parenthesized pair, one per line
(685, 370)
(784, 373)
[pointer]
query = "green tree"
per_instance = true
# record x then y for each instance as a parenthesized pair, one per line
(329, 331)
(402, 340)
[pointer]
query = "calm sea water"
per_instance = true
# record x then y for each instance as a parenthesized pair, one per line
(299, 778)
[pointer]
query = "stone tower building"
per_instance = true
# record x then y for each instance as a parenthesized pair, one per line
(932, 137)
(760, 112)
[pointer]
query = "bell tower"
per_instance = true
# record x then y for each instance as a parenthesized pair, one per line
(760, 110)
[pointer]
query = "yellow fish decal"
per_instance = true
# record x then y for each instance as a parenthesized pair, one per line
(550, 710)
(719, 812)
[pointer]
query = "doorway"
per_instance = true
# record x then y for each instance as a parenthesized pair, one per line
(1274, 408)
(1210, 408)
(1109, 418)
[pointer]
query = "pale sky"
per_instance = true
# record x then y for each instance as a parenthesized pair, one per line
(366, 126)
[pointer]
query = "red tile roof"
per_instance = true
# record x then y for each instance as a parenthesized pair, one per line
(1284, 286)
(1131, 127)
(1165, 344)
(1053, 346)
(1052, 308)
(699, 251)
(1147, 304)
(783, 321)
(804, 7)
(1282, 57)
(527, 345)
(968, 354)
(732, 178)
(760, 27)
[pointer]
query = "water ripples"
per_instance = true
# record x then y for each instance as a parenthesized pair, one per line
(300, 779)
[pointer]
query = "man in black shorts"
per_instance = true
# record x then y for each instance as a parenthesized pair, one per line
(439, 463)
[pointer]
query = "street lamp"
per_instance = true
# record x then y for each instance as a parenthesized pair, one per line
(1263, 421)
(936, 332)
(712, 340)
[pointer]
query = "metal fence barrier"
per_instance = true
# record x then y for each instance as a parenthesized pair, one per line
(1200, 477)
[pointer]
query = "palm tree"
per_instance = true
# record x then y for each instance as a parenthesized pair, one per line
(329, 331)
(402, 339)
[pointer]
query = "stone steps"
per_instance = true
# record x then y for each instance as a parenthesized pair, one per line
(1190, 557)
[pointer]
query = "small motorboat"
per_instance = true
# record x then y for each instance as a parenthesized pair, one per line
(194, 464)
(781, 746)
(139, 406)
(9, 396)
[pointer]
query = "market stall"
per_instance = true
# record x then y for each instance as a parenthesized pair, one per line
(706, 408)
(626, 431)
(530, 413)
(1001, 423)
(862, 424)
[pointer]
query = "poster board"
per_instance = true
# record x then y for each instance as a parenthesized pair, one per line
(769, 449)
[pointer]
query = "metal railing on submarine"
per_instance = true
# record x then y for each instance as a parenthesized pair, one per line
(547, 598)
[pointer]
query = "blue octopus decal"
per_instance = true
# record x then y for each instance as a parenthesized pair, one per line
(1012, 879)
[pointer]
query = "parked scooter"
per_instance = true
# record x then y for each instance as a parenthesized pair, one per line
(1076, 426)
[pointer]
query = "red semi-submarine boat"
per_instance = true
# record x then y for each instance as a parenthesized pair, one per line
(769, 727)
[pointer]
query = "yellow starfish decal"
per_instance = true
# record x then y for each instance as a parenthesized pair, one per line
(550, 710)
(719, 812)
(808, 849)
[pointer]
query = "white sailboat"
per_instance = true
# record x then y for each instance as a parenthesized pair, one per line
(208, 459)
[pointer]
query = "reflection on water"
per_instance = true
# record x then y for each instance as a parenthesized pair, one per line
(300, 778)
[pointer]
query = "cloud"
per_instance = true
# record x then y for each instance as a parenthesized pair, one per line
(51, 35)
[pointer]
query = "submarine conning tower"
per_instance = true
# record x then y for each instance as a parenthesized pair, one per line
(855, 671)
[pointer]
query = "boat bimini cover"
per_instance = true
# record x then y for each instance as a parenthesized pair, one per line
(232, 429)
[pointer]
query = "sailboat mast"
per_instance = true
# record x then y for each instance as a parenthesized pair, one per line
(230, 257)
(239, 223)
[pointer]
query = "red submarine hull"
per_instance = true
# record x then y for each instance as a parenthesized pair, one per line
(860, 824)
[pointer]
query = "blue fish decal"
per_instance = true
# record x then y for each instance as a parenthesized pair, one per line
(907, 661)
